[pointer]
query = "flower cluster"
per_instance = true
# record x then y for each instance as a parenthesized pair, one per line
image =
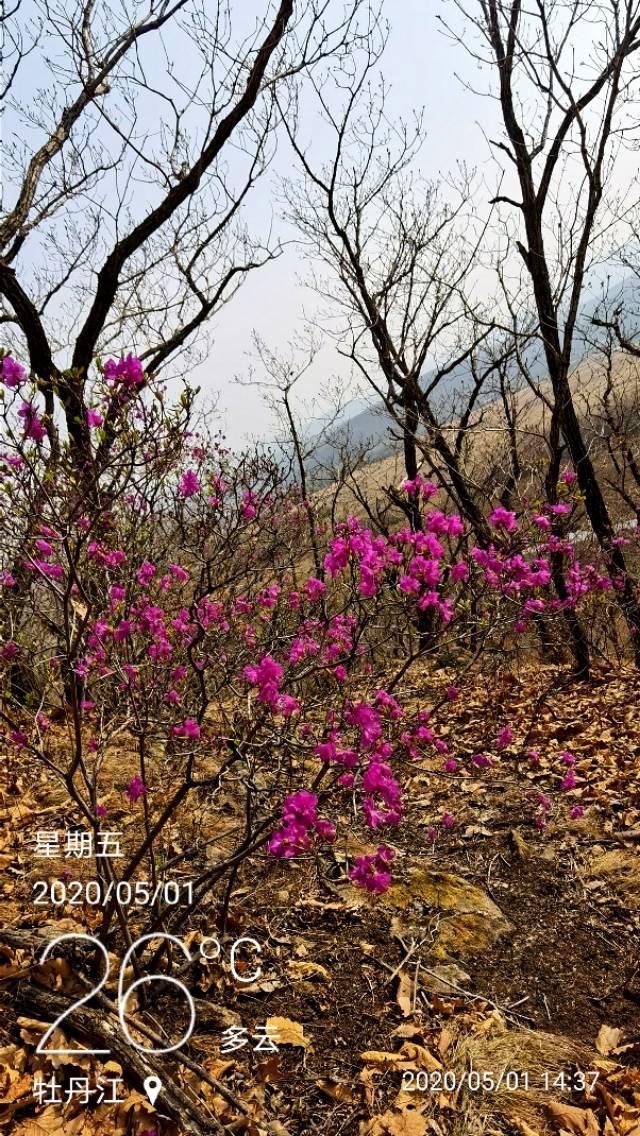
(300, 822)
(372, 871)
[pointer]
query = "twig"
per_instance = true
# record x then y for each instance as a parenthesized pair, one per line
(92, 1025)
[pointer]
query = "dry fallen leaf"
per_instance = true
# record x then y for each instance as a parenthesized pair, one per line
(608, 1039)
(578, 1121)
(384, 1059)
(407, 1122)
(338, 1090)
(308, 970)
(289, 1033)
(420, 1056)
(404, 995)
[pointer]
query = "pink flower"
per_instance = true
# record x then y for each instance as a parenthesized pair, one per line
(576, 811)
(9, 650)
(451, 765)
(188, 729)
(53, 571)
(568, 476)
(126, 372)
(136, 789)
(101, 810)
(459, 571)
(288, 841)
(300, 807)
(447, 821)
(249, 505)
(268, 676)
(419, 485)
(569, 780)
(567, 758)
(33, 427)
(189, 484)
(94, 419)
(145, 573)
(502, 518)
(12, 374)
(481, 760)
(367, 720)
(371, 872)
(504, 738)
(452, 693)
(314, 589)
(300, 819)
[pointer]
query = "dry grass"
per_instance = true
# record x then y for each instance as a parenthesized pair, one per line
(493, 1049)
(486, 437)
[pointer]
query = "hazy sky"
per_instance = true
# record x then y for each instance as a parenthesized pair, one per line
(421, 66)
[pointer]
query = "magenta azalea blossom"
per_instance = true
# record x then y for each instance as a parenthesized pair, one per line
(188, 729)
(127, 373)
(372, 872)
(189, 484)
(9, 650)
(12, 374)
(504, 738)
(502, 518)
(33, 426)
(136, 789)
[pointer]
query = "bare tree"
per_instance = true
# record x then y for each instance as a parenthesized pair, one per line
(301, 430)
(567, 82)
(401, 249)
(128, 171)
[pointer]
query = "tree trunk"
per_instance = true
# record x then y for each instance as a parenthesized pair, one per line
(598, 513)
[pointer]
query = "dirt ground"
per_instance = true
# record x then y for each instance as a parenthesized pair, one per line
(500, 948)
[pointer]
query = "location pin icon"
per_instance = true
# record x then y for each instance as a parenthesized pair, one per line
(152, 1087)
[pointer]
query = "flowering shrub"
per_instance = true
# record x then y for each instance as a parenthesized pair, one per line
(161, 591)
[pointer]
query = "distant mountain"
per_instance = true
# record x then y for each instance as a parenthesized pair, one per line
(371, 428)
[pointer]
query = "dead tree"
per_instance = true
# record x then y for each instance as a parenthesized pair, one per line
(567, 82)
(399, 251)
(128, 172)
